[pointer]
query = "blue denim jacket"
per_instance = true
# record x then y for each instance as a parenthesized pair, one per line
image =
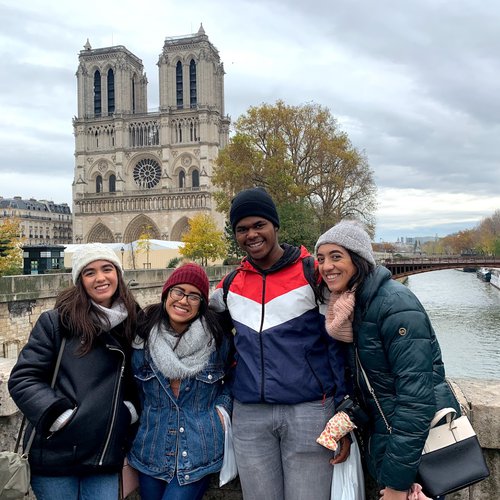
(183, 435)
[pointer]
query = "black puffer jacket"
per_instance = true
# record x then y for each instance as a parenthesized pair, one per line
(399, 352)
(96, 438)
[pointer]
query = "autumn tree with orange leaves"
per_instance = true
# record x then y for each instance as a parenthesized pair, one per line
(300, 155)
(11, 254)
(204, 241)
(483, 239)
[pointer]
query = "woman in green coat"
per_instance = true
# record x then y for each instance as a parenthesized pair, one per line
(391, 337)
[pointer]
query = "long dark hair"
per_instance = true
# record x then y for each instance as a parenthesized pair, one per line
(156, 315)
(79, 316)
(363, 270)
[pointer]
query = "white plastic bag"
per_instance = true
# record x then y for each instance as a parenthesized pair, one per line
(229, 469)
(348, 482)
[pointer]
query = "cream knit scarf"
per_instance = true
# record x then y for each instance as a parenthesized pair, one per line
(339, 316)
(189, 357)
(116, 314)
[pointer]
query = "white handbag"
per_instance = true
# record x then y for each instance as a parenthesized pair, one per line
(454, 430)
(452, 458)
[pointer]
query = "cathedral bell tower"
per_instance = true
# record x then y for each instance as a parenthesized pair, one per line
(138, 170)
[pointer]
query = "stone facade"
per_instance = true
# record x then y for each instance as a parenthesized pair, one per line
(42, 222)
(138, 171)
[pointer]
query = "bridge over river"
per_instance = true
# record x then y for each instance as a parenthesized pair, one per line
(401, 267)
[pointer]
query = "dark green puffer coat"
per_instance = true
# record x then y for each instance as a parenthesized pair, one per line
(399, 352)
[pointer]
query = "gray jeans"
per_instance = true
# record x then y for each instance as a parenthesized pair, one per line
(276, 450)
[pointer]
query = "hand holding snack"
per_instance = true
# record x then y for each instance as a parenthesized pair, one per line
(336, 428)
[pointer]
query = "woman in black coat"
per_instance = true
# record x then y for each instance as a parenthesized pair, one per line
(83, 425)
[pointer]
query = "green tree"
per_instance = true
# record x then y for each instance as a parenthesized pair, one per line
(173, 263)
(300, 156)
(203, 241)
(11, 254)
(234, 252)
(296, 224)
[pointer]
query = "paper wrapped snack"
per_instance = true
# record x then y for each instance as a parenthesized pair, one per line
(336, 428)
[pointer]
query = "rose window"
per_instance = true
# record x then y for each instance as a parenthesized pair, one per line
(147, 173)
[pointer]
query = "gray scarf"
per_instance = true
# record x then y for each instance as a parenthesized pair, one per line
(116, 314)
(191, 355)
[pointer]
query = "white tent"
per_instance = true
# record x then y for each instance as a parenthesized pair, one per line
(156, 254)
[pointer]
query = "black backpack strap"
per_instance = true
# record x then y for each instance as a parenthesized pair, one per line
(309, 273)
(311, 276)
(308, 266)
(227, 283)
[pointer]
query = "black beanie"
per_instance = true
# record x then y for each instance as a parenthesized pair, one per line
(253, 202)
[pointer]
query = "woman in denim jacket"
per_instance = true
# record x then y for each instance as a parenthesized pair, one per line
(179, 362)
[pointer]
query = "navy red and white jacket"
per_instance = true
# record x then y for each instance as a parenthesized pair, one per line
(283, 353)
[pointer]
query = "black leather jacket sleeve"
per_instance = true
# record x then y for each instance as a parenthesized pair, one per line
(30, 379)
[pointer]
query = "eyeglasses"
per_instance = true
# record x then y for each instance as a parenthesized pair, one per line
(177, 294)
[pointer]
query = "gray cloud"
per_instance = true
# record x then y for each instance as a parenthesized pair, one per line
(414, 83)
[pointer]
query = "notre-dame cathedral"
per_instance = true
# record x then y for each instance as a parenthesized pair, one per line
(139, 171)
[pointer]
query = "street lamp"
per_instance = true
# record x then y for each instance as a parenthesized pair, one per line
(122, 250)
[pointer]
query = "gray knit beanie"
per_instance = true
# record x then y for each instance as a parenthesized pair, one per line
(349, 234)
(89, 253)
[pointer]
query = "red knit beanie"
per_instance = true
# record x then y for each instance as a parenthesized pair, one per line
(191, 274)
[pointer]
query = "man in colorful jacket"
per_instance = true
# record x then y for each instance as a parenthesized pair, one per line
(288, 374)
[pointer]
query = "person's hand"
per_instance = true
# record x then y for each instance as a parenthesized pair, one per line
(221, 418)
(345, 449)
(390, 494)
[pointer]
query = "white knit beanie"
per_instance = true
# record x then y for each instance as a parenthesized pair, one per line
(89, 253)
(349, 234)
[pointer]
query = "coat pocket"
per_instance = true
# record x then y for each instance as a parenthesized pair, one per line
(210, 375)
(153, 393)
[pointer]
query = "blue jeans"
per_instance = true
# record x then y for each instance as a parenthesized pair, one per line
(157, 489)
(97, 486)
(276, 450)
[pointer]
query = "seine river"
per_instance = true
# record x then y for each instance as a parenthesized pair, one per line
(465, 313)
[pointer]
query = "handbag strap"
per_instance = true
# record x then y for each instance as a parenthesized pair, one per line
(372, 392)
(449, 413)
(52, 385)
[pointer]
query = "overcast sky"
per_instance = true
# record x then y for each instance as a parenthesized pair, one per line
(415, 84)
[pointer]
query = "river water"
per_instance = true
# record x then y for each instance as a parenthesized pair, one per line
(465, 313)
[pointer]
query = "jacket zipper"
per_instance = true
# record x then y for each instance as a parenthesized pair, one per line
(262, 378)
(115, 402)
